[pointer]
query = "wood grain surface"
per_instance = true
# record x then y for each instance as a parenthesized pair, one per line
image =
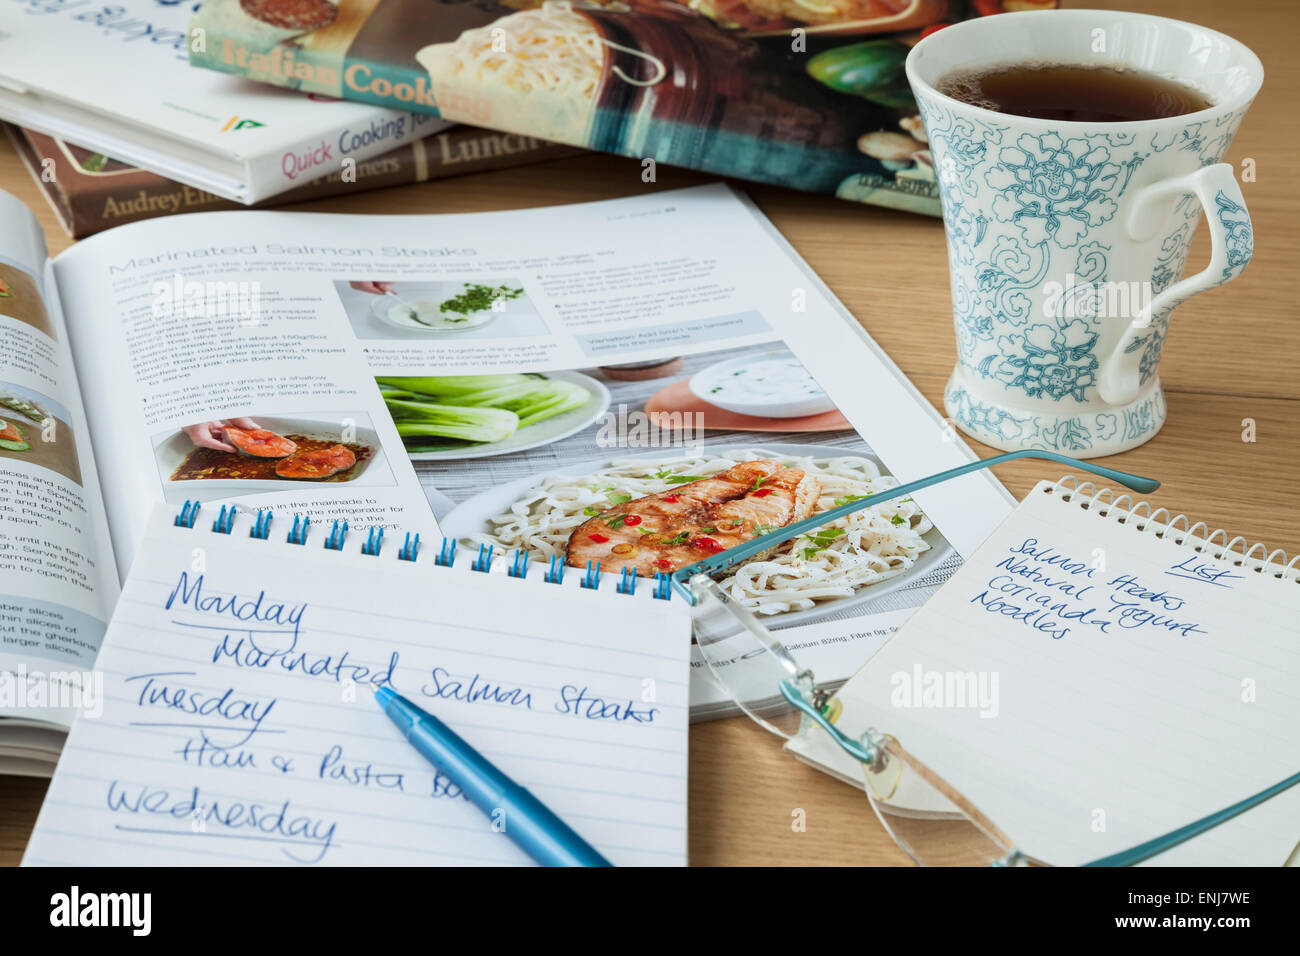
(1232, 355)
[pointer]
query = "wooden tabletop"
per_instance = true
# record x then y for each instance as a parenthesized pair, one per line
(1233, 355)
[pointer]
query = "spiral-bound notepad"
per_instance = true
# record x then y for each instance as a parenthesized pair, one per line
(239, 725)
(1097, 674)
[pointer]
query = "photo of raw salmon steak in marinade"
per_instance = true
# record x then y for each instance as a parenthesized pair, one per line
(316, 464)
(259, 442)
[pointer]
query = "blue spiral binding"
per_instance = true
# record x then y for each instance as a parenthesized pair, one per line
(410, 548)
(374, 541)
(298, 533)
(225, 521)
(262, 526)
(189, 514)
(519, 568)
(338, 534)
(627, 583)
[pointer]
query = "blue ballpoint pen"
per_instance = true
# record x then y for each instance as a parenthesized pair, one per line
(534, 829)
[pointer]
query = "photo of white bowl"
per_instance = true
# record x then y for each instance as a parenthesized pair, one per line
(426, 315)
(770, 384)
(439, 309)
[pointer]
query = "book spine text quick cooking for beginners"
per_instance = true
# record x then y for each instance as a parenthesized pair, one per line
(91, 192)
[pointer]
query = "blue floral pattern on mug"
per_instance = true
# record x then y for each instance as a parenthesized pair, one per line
(1052, 361)
(1074, 435)
(1053, 189)
(1241, 237)
(1024, 208)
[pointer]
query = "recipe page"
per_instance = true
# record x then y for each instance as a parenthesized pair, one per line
(220, 371)
(634, 384)
(57, 580)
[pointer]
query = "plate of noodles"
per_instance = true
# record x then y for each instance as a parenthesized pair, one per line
(865, 555)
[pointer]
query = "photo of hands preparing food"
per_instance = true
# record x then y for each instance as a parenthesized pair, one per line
(239, 455)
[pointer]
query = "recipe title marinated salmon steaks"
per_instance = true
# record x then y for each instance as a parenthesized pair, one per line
(669, 530)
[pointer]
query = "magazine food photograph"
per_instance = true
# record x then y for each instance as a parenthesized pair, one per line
(807, 95)
(679, 485)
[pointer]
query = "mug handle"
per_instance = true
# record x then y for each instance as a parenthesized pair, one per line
(1232, 242)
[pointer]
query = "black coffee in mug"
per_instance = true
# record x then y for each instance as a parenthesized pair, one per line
(1080, 93)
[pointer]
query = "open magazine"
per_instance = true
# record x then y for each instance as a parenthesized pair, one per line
(554, 380)
(802, 94)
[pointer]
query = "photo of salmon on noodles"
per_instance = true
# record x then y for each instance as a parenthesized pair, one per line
(667, 531)
(658, 513)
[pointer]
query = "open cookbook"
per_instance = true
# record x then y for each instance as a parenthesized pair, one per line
(634, 383)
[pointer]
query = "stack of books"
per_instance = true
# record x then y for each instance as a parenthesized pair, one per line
(91, 192)
(119, 127)
(299, 99)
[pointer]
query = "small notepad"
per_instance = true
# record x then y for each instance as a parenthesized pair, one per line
(239, 725)
(1095, 676)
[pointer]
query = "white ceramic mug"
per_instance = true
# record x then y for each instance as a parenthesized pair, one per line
(1066, 240)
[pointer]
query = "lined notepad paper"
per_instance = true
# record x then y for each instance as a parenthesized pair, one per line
(1093, 678)
(239, 724)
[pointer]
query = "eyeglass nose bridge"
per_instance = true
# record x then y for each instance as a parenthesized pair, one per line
(864, 749)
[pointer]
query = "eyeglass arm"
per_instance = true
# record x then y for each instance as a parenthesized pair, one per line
(1144, 851)
(868, 755)
(764, 542)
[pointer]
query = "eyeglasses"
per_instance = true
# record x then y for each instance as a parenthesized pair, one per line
(933, 823)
